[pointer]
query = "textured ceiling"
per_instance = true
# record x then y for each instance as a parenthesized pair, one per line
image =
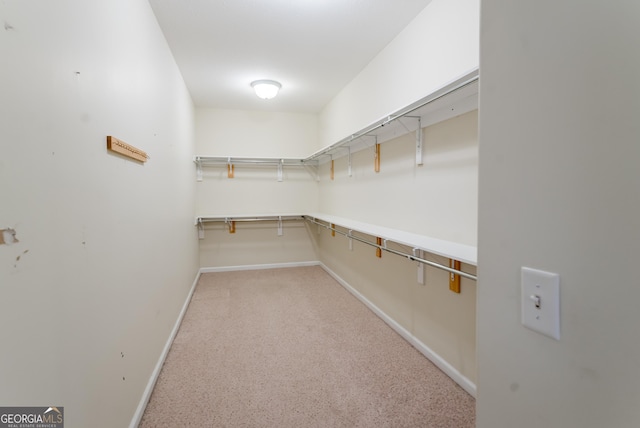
(312, 47)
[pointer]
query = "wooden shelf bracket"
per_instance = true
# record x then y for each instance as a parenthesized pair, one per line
(454, 279)
(230, 169)
(332, 168)
(232, 225)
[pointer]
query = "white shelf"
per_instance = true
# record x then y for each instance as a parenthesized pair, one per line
(452, 250)
(453, 99)
(224, 160)
(248, 217)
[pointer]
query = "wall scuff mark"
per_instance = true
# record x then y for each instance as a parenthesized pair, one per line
(8, 236)
(19, 257)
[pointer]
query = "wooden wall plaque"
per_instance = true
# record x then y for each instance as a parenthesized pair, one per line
(119, 146)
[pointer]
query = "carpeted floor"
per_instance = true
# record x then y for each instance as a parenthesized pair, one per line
(292, 348)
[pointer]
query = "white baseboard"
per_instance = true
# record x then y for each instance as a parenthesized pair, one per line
(440, 362)
(258, 267)
(137, 416)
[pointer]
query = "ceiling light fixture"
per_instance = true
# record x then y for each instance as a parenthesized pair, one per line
(266, 89)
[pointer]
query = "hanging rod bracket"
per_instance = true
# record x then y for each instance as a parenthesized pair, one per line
(417, 254)
(198, 168)
(200, 229)
(419, 143)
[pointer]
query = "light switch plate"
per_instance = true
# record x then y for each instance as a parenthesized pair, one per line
(541, 301)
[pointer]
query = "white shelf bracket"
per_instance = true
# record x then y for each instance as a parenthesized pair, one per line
(419, 143)
(350, 240)
(200, 229)
(418, 253)
(279, 225)
(280, 170)
(198, 170)
(349, 173)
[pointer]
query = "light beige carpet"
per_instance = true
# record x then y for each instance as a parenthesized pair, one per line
(292, 348)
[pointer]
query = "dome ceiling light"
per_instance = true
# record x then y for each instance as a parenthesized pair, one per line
(266, 89)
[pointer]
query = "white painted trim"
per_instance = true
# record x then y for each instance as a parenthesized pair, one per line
(436, 359)
(258, 267)
(137, 416)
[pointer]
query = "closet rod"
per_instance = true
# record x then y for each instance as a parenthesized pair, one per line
(255, 161)
(243, 219)
(459, 84)
(399, 253)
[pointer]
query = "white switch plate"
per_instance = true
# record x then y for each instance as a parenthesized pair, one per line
(544, 288)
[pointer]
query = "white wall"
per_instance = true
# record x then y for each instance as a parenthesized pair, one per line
(559, 191)
(437, 199)
(438, 46)
(255, 190)
(441, 320)
(107, 250)
(256, 243)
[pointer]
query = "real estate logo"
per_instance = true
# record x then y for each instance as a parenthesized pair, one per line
(32, 417)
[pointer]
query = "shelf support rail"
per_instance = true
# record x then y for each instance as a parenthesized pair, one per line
(384, 247)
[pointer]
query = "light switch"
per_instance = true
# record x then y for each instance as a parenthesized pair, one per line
(541, 301)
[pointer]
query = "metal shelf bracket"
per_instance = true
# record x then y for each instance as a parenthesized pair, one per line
(419, 143)
(198, 169)
(200, 229)
(417, 253)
